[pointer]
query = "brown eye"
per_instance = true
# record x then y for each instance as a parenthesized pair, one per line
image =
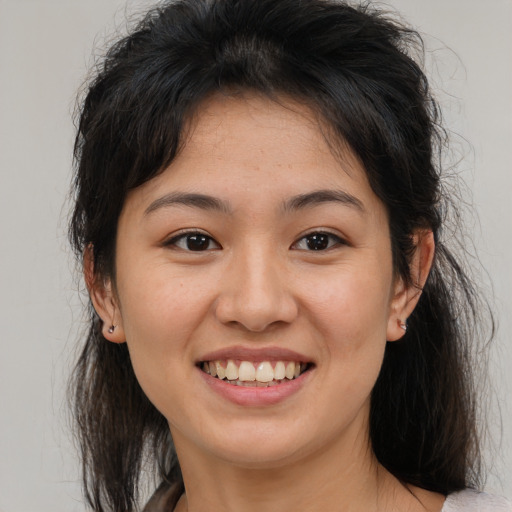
(317, 242)
(196, 242)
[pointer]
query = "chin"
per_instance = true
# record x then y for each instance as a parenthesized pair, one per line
(257, 456)
(269, 446)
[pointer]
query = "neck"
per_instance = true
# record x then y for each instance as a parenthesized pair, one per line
(343, 476)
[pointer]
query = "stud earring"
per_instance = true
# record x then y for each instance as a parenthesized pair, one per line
(111, 329)
(402, 324)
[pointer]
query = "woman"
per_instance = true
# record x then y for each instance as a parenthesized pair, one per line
(276, 319)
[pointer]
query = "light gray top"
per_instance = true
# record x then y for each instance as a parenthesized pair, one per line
(473, 501)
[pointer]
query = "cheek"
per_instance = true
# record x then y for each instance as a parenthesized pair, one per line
(158, 304)
(351, 313)
(160, 314)
(350, 304)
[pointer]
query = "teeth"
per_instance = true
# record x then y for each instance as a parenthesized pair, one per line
(290, 370)
(247, 373)
(221, 371)
(231, 370)
(264, 372)
(279, 371)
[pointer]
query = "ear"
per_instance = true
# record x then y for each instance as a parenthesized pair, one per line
(406, 295)
(103, 299)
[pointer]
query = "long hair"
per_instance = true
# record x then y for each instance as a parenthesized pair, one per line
(355, 67)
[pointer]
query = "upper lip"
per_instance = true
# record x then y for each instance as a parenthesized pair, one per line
(255, 354)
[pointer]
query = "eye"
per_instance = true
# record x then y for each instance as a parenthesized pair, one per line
(318, 241)
(193, 241)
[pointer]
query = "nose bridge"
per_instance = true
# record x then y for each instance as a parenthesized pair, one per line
(257, 294)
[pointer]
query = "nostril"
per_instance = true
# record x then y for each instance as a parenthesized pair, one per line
(255, 318)
(256, 300)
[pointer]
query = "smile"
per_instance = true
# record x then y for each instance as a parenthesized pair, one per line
(254, 374)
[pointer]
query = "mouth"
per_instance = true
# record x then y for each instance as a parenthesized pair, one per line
(254, 373)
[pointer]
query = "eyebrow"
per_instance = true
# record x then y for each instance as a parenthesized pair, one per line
(318, 197)
(202, 201)
(210, 203)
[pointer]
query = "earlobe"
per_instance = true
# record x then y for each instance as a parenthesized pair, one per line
(104, 303)
(407, 295)
(103, 300)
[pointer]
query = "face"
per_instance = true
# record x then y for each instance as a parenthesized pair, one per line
(255, 288)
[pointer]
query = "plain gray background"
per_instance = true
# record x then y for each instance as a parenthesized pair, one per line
(45, 50)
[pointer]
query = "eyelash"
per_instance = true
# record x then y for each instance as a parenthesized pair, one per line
(316, 237)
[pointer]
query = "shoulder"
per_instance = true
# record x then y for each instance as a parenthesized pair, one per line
(469, 500)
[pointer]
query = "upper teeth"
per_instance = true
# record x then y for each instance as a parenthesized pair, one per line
(247, 371)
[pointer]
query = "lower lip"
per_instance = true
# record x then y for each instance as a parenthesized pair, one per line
(255, 396)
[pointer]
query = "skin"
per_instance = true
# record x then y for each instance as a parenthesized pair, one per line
(257, 284)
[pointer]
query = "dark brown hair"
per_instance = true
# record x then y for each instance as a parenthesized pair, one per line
(354, 67)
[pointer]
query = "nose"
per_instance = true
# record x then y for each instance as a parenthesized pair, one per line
(256, 293)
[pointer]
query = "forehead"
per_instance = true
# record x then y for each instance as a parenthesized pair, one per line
(251, 111)
(253, 123)
(237, 145)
